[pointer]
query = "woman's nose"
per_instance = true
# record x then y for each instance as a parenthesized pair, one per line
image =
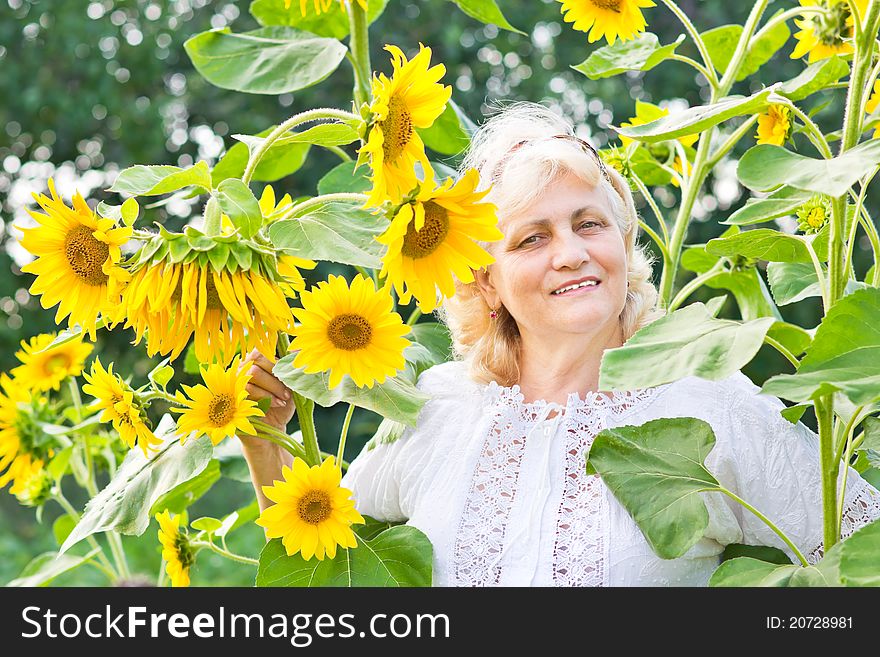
(570, 251)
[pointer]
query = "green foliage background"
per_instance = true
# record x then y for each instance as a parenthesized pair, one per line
(89, 88)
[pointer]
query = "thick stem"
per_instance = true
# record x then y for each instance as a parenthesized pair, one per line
(829, 468)
(414, 317)
(359, 47)
(305, 409)
(213, 218)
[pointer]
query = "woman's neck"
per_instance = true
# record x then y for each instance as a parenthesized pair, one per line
(553, 369)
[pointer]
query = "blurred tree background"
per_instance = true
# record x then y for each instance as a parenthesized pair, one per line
(91, 87)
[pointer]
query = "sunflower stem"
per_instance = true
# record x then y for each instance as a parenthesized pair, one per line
(213, 217)
(414, 317)
(226, 553)
(323, 198)
(698, 41)
(270, 433)
(68, 508)
(305, 410)
(770, 524)
(359, 46)
(343, 435)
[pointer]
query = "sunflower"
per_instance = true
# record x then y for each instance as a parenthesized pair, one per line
(412, 98)
(44, 369)
(613, 19)
(312, 514)
(814, 214)
(825, 34)
(774, 126)
(350, 331)
(19, 461)
(219, 410)
(292, 282)
(76, 259)
(647, 112)
(322, 5)
(36, 489)
(120, 407)
(176, 551)
(432, 238)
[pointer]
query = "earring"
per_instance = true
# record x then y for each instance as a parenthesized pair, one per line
(493, 314)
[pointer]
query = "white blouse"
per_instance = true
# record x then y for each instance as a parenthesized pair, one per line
(499, 486)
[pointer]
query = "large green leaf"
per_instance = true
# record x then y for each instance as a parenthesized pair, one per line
(761, 552)
(338, 232)
(655, 471)
(751, 294)
(451, 133)
(435, 338)
(814, 78)
(45, 567)
(871, 440)
(688, 342)
(783, 201)
(182, 495)
(333, 23)
(764, 167)
(721, 43)
(698, 119)
(761, 244)
(143, 180)
(396, 399)
(858, 557)
(792, 281)
(270, 60)
(486, 11)
(282, 159)
(746, 571)
(344, 178)
(239, 203)
(124, 504)
(844, 355)
(639, 54)
(399, 556)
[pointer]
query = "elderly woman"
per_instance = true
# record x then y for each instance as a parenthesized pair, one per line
(494, 471)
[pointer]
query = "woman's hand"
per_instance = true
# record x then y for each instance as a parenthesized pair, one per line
(264, 384)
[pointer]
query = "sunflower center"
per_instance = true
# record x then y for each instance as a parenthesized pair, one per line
(397, 129)
(831, 27)
(56, 362)
(315, 506)
(422, 243)
(213, 302)
(816, 218)
(86, 255)
(349, 332)
(221, 410)
(608, 5)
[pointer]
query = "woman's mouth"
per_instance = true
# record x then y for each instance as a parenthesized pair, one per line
(576, 288)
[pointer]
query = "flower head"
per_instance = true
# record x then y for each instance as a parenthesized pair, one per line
(350, 331)
(827, 33)
(411, 98)
(613, 19)
(20, 456)
(774, 126)
(176, 551)
(312, 514)
(36, 489)
(220, 408)
(77, 255)
(119, 406)
(45, 368)
(434, 237)
(814, 214)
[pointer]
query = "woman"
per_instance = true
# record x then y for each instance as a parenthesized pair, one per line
(494, 471)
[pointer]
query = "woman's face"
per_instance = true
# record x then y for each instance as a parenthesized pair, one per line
(561, 267)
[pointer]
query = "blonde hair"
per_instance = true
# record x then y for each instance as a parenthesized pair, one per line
(520, 151)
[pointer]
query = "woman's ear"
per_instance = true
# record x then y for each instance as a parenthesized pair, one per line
(483, 279)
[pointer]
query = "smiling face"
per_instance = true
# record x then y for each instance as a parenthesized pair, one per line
(561, 267)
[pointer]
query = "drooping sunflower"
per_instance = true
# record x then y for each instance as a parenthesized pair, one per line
(219, 410)
(76, 259)
(312, 513)
(322, 5)
(774, 126)
(119, 406)
(411, 98)
(350, 331)
(433, 237)
(292, 282)
(613, 19)
(44, 369)
(19, 460)
(176, 551)
(825, 34)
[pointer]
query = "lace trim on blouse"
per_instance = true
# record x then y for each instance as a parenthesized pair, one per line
(863, 509)
(579, 550)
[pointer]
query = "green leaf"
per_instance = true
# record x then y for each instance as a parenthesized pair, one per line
(396, 398)
(372, 528)
(654, 471)
(435, 338)
(791, 336)
(62, 527)
(232, 462)
(857, 556)
(123, 505)
(794, 413)
(141, 180)
(721, 43)
(241, 206)
(333, 23)
(792, 281)
(871, 425)
(447, 135)
(688, 342)
(486, 11)
(245, 515)
(338, 232)
(279, 161)
(761, 244)
(761, 552)
(780, 203)
(844, 355)
(639, 54)
(697, 119)
(47, 566)
(206, 524)
(751, 294)
(270, 60)
(764, 167)
(389, 431)
(344, 178)
(58, 465)
(746, 571)
(814, 78)
(129, 211)
(697, 259)
(161, 374)
(181, 496)
(400, 556)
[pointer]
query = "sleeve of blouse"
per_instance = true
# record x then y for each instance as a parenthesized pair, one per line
(774, 465)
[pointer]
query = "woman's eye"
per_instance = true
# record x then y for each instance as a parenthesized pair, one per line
(529, 240)
(590, 224)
